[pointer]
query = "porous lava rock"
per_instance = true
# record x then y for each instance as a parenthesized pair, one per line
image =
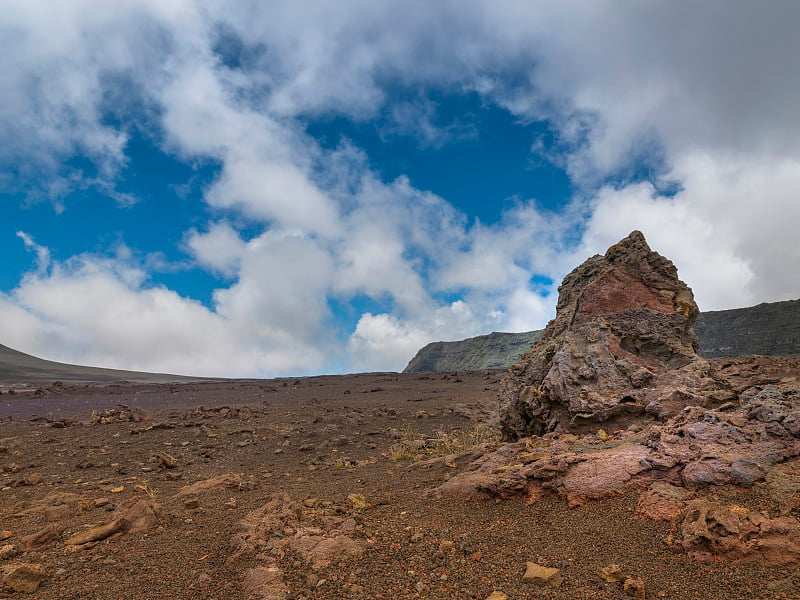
(620, 348)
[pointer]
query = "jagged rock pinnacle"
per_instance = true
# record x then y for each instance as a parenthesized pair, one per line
(621, 347)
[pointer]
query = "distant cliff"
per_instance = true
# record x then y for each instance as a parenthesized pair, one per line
(770, 329)
(493, 351)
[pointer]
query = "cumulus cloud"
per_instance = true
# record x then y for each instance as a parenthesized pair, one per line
(705, 104)
(219, 249)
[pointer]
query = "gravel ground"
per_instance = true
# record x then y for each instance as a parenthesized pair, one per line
(317, 440)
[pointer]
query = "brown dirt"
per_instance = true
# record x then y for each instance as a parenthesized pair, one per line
(320, 438)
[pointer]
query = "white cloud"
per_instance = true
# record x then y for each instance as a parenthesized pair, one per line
(709, 101)
(42, 253)
(220, 248)
(382, 342)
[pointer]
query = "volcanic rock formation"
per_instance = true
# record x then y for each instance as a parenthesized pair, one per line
(621, 347)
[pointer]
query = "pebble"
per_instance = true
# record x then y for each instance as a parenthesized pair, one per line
(541, 575)
(8, 551)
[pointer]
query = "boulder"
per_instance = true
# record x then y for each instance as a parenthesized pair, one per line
(710, 530)
(541, 575)
(621, 348)
(25, 578)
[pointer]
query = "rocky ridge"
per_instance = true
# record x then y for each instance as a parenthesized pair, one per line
(613, 399)
(768, 329)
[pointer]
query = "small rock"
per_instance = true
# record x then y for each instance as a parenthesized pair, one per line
(98, 532)
(357, 501)
(612, 574)
(540, 575)
(25, 577)
(634, 587)
(118, 489)
(8, 551)
(33, 479)
(40, 539)
(497, 596)
(446, 547)
(191, 503)
(140, 514)
(5, 534)
(167, 461)
(100, 502)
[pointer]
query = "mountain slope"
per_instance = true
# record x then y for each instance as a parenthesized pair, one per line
(18, 367)
(771, 329)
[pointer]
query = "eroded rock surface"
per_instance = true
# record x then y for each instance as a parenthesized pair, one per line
(318, 534)
(621, 347)
(710, 529)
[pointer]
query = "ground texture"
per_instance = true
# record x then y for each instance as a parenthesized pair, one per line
(320, 487)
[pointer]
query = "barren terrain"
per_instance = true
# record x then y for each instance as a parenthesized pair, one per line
(316, 487)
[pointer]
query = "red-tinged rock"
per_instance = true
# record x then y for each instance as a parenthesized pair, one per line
(710, 530)
(663, 502)
(620, 349)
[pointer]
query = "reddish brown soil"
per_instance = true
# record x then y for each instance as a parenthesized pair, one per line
(320, 438)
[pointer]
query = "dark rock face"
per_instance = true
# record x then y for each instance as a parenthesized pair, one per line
(493, 351)
(769, 329)
(621, 346)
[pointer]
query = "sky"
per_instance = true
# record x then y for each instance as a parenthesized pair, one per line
(261, 188)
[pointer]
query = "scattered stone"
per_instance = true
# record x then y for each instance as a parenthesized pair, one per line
(191, 503)
(497, 596)
(357, 501)
(40, 539)
(634, 588)
(224, 481)
(710, 530)
(631, 586)
(540, 575)
(118, 489)
(140, 514)
(98, 532)
(167, 461)
(5, 534)
(25, 577)
(53, 507)
(8, 551)
(33, 479)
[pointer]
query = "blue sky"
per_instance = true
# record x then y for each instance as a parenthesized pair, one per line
(274, 188)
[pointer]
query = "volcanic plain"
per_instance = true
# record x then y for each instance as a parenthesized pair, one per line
(323, 487)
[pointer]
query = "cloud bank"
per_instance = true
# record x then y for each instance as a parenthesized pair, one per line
(700, 97)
